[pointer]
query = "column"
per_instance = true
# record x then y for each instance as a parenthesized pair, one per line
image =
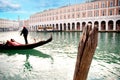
(70, 26)
(92, 24)
(114, 25)
(62, 26)
(99, 26)
(106, 25)
(75, 26)
(59, 26)
(66, 26)
(80, 26)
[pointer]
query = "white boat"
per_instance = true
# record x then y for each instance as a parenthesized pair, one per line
(47, 28)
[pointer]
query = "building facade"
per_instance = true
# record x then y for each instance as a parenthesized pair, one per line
(8, 25)
(103, 13)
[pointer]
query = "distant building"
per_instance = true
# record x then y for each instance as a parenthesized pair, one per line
(103, 13)
(8, 25)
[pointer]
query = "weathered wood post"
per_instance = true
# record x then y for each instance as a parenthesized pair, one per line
(86, 49)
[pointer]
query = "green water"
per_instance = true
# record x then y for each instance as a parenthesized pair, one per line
(56, 60)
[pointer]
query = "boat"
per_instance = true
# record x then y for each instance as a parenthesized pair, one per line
(25, 46)
(45, 29)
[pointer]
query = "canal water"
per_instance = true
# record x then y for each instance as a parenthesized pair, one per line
(56, 60)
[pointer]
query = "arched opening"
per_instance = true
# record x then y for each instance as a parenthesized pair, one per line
(103, 25)
(83, 25)
(56, 26)
(53, 27)
(68, 26)
(90, 22)
(73, 26)
(96, 23)
(78, 26)
(118, 25)
(64, 26)
(60, 27)
(110, 25)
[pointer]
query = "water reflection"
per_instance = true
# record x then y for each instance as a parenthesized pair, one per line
(108, 48)
(27, 53)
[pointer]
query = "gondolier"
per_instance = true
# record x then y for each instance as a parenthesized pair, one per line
(25, 34)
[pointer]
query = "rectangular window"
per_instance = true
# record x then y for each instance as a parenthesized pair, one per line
(78, 9)
(111, 12)
(83, 14)
(96, 6)
(97, 13)
(103, 13)
(64, 17)
(119, 12)
(118, 2)
(73, 16)
(111, 3)
(103, 5)
(68, 16)
(78, 16)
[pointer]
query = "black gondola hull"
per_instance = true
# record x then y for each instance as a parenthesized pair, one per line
(27, 46)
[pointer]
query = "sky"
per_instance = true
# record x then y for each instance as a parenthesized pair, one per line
(11, 9)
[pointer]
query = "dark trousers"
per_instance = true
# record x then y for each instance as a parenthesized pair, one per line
(25, 37)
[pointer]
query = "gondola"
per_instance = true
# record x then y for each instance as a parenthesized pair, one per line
(25, 46)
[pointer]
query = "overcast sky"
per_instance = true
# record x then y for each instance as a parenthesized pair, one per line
(11, 9)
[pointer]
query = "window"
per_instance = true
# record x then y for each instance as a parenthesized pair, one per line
(103, 5)
(61, 17)
(89, 14)
(83, 14)
(73, 16)
(65, 11)
(73, 10)
(119, 12)
(78, 15)
(68, 16)
(56, 17)
(111, 12)
(68, 10)
(103, 13)
(96, 6)
(78, 9)
(111, 3)
(96, 13)
(118, 2)
(64, 17)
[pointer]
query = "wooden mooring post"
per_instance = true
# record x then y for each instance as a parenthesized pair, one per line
(86, 49)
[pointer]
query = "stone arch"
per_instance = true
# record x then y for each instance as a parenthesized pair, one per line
(78, 25)
(73, 26)
(60, 26)
(118, 25)
(83, 25)
(56, 26)
(96, 23)
(110, 25)
(90, 22)
(65, 26)
(53, 26)
(103, 25)
(68, 26)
